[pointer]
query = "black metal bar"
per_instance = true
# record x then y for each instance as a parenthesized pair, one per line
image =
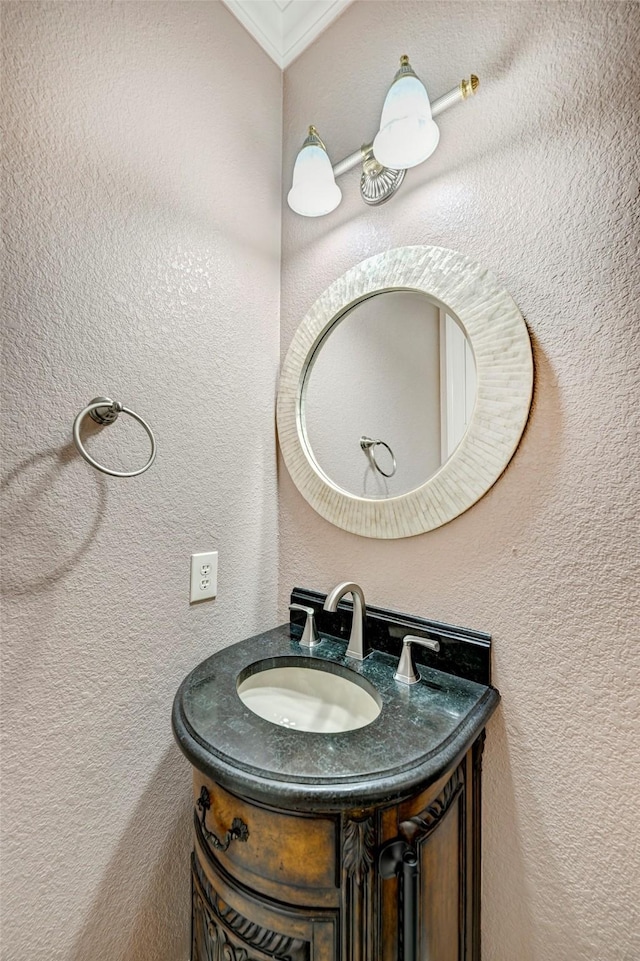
(409, 899)
(398, 859)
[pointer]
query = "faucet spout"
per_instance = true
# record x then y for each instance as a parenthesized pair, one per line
(358, 647)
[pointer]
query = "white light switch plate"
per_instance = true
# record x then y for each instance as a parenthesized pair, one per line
(204, 576)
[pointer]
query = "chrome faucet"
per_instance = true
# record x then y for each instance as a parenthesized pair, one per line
(358, 648)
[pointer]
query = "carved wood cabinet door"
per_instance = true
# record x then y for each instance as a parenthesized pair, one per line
(442, 825)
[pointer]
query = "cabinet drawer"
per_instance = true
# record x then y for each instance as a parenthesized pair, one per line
(231, 924)
(291, 857)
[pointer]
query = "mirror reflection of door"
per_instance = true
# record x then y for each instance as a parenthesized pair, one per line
(458, 382)
(395, 368)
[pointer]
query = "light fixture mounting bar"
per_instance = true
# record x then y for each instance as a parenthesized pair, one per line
(464, 90)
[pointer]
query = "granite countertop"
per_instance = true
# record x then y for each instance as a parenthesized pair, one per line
(421, 731)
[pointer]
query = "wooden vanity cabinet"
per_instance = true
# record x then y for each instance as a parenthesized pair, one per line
(270, 883)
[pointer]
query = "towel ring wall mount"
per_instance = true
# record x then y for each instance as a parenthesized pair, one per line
(104, 412)
(368, 444)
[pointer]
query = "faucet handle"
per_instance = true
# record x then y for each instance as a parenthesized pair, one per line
(407, 673)
(310, 637)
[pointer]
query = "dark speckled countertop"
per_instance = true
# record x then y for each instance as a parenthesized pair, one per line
(419, 734)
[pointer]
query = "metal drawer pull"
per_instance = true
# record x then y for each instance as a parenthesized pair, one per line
(238, 831)
(104, 411)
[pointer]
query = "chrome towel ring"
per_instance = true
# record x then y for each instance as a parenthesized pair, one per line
(104, 411)
(368, 444)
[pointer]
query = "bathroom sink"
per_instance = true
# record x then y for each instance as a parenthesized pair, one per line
(304, 697)
(355, 754)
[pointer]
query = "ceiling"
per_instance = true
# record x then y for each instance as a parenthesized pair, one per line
(284, 28)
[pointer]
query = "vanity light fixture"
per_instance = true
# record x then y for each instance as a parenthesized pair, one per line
(314, 191)
(408, 135)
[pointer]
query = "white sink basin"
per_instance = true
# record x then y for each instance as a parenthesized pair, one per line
(309, 699)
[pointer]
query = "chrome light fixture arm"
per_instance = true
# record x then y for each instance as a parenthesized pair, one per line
(464, 90)
(379, 183)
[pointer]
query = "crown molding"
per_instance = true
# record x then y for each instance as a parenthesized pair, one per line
(284, 28)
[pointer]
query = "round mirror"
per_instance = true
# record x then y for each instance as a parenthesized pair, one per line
(388, 394)
(405, 392)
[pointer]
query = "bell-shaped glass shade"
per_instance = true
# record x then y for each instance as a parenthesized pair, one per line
(314, 191)
(408, 134)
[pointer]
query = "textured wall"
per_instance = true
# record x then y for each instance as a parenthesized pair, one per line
(143, 260)
(537, 178)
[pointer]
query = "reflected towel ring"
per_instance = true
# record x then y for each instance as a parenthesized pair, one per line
(367, 444)
(104, 412)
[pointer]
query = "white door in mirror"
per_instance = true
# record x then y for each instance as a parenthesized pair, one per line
(204, 576)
